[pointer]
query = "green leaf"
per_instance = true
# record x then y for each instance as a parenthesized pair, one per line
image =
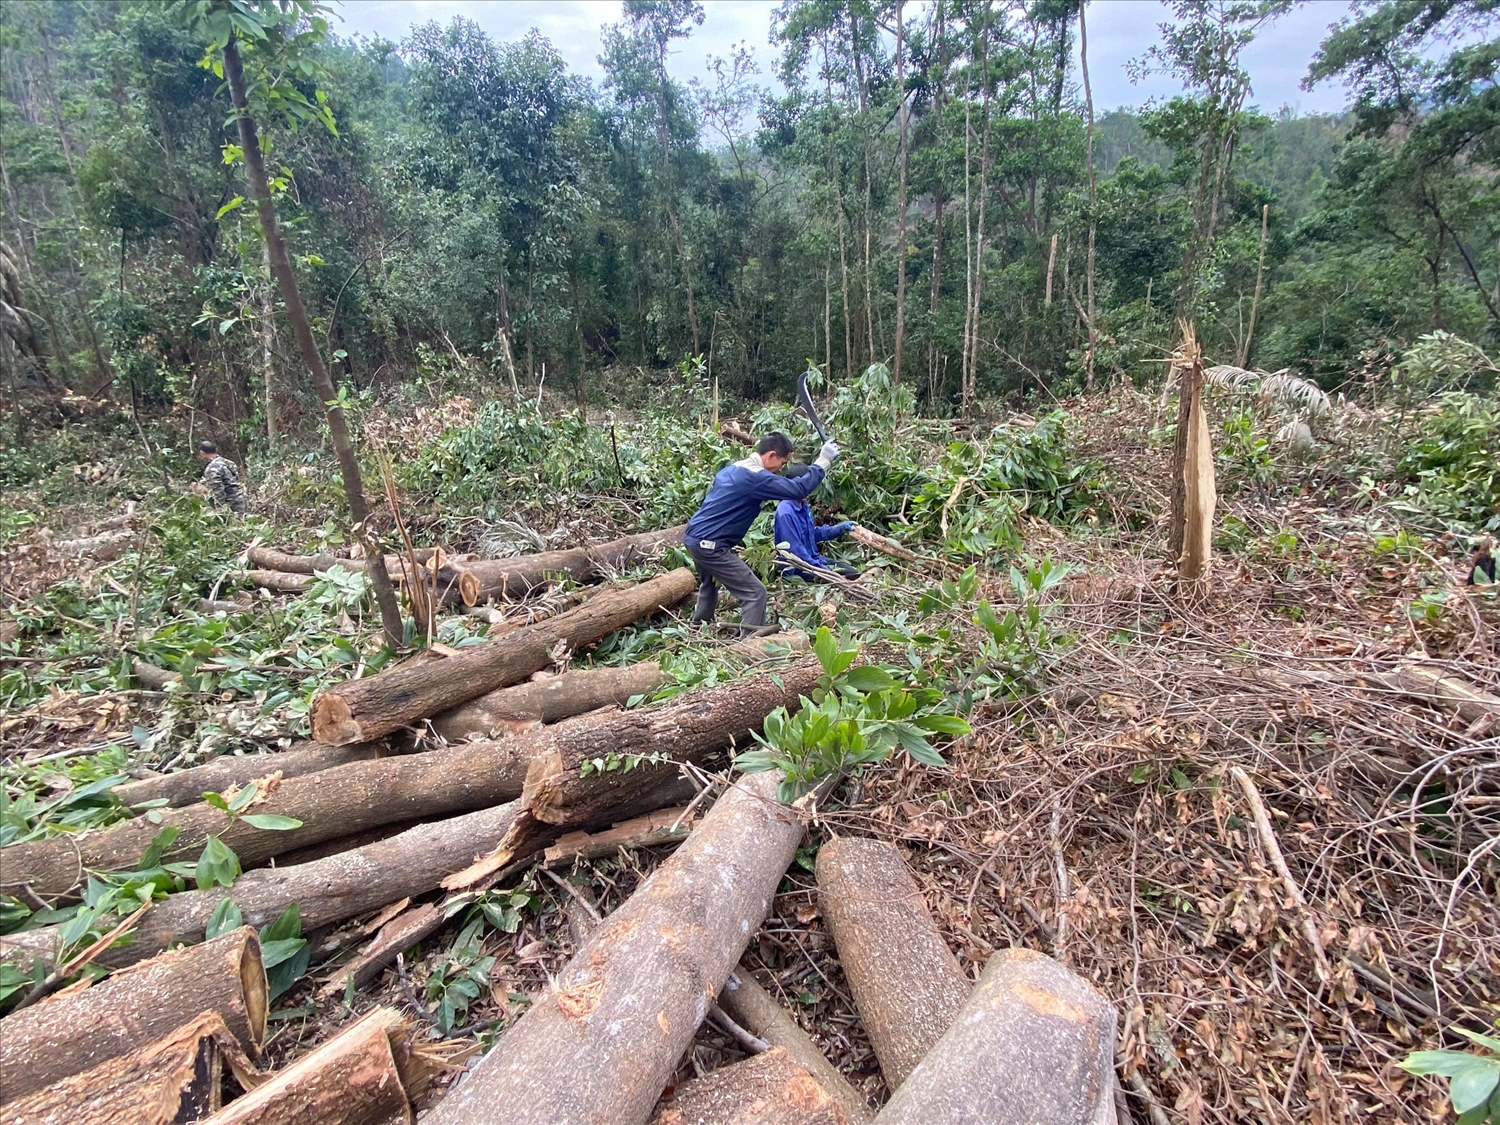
(288, 925)
(226, 916)
(271, 822)
(826, 649)
(922, 751)
(1474, 1083)
(232, 205)
(218, 866)
(159, 844)
(870, 679)
(943, 724)
(243, 797)
(273, 953)
(217, 801)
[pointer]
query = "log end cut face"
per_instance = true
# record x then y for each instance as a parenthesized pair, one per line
(333, 721)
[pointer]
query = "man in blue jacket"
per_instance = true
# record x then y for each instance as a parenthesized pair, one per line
(797, 539)
(721, 523)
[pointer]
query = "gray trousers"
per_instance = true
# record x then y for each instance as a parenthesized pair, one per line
(723, 566)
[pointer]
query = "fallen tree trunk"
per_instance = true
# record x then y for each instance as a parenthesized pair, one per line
(506, 579)
(353, 1079)
(577, 781)
(332, 889)
(366, 709)
(1034, 1042)
(175, 1079)
(357, 796)
(152, 678)
(892, 549)
(771, 1088)
(276, 580)
(905, 981)
(547, 701)
(757, 1011)
(601, 1043)
(186, 787)
(47, 1042)
(268, 558)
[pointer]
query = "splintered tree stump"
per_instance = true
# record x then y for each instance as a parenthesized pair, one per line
(1035, 1042)
(366, 709)
(757, 1011)
(905, 981)
(547, 701)
(353, 798)
(771, 1088)
(173, 1080)
(598, 1047)
(76, 1031)
(508, 579)
(353, 1079)
(185, 787)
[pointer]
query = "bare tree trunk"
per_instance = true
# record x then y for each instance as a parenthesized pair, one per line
(984, 194)
(599, 1045)
(186, 787)
(281, 265)
(77, 1031)
(1260, 273)
(901, 193)
(1051, 266)
(1088, 101)
(268, 351)
(1034, 1042)
(547, 701)
(906, 982)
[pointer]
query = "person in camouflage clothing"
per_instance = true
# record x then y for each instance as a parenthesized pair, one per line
(223, 479)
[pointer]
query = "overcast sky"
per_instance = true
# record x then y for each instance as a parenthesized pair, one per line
(1119, 30)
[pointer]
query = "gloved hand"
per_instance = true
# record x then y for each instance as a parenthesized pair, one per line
(828, 455)
(846, 527)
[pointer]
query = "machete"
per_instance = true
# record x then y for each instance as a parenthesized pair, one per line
(804, 400)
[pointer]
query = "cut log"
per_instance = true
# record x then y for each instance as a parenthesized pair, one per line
(366, 709)
(276, 580)
(757, 1011)
(766, 1089)
(670, 826)
(175, 1079)
(905, 981)
(1034, 1042)
(210, 605)
(575, 783)
(186, 787)
(125, 1012)
(599, 1045)
(103, 547)
(734, 433)
(547, 701)
(268, 558)
(152, 678)
(1452, 693)
(353, 1079)
(327, 890)
(507, 579)
(890, 548)
(775, 646)
(358, 796)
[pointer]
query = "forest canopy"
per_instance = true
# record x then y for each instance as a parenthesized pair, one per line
(930, 188)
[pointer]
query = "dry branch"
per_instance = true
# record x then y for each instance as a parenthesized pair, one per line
(669, 826)
(367, 709)
(1033, 1043)
(125, 1012)
(767, 1089)
(547, 701)
(600, 1044)
(906, 982)
(757, 1011)
(175, 1079)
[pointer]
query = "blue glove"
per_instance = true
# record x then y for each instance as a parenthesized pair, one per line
(846, 527)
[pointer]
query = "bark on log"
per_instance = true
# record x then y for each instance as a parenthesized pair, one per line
(758, 650)
(905, 981)
(578, 780)
(766, 1089)
(176, 1079)
(366, 709)
(186, 787)
(547, 701)
(125, 1012)
(757, 1011)
(1034, 1042)
(102, 547)
(734, 433)
(889, 547)
(210, 605)
(152, 678)
(507, 579)
(353, 1079)
(276, 580)
(268, 558)
(599, 1046)
(352, 798)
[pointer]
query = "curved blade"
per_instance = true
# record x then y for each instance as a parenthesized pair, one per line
(804, 400)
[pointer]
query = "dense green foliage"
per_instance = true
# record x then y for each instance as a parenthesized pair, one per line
(476, 206)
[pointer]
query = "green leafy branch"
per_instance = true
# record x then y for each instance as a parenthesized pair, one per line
(1473, 1079)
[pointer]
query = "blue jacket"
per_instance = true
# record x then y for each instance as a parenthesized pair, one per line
(794, 527)
(735, 498)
